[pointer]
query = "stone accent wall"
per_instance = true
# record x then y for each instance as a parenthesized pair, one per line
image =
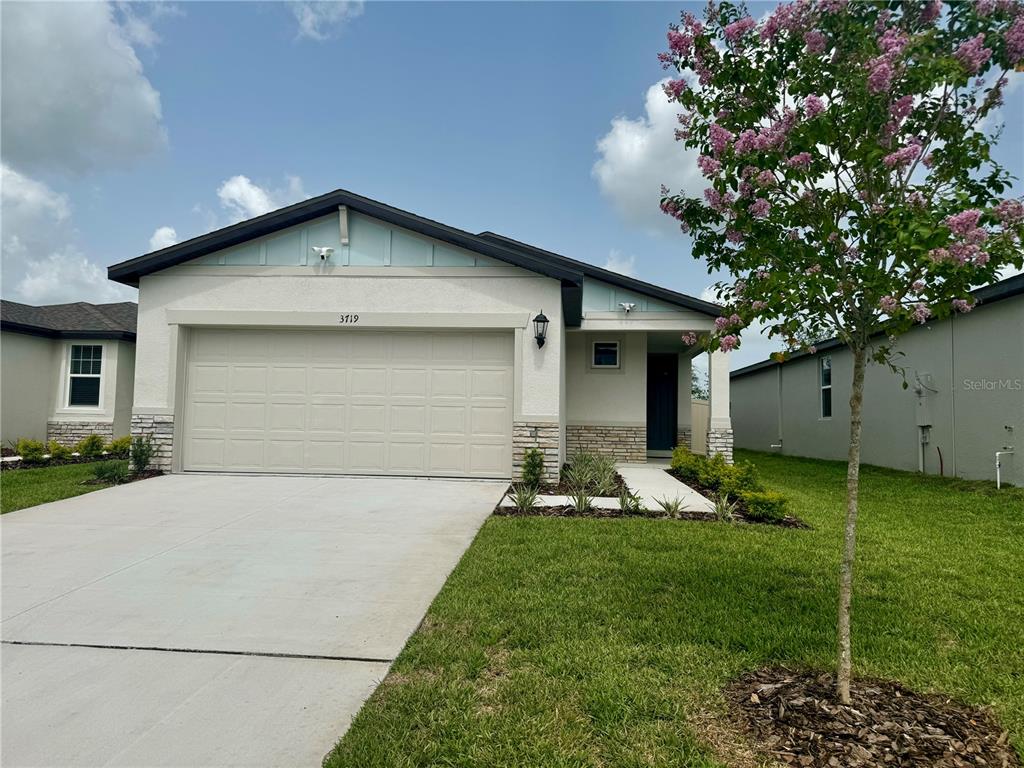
(684, 436)
(624, 443)
(535, 434)
(160, 430)
(70, 433)
(720, 441)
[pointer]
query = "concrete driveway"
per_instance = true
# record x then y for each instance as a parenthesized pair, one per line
(221, 620)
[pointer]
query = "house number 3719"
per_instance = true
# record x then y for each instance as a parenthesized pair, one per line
(344, 319)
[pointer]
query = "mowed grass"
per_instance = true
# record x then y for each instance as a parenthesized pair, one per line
(578, 642)
(20, 488)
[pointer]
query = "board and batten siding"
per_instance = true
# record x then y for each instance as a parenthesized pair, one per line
(972, 367)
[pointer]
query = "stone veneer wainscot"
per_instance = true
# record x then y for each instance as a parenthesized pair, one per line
(684, 436)
(720, 441)
(623, 443)
(70, 433)
(543, 435)
(160, 430)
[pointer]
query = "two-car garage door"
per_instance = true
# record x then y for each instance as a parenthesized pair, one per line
(347, 401)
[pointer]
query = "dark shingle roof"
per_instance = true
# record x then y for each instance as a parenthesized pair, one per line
(80, 319)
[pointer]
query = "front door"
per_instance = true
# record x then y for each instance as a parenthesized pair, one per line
(662, 401)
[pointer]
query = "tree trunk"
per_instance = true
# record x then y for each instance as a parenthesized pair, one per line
(845, 662)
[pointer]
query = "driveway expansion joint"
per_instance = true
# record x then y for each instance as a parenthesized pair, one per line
(220, 652)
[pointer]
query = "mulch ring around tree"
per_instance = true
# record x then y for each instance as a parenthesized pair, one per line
(795, 718)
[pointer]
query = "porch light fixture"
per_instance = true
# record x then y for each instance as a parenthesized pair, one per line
(540, 328)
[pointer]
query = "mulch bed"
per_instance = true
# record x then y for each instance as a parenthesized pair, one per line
(131, 478)
(563, 489)
(702, 517)
(9, 466)
(794, 717)
(740, 516)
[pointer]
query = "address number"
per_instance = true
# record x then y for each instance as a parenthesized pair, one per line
(344, 319)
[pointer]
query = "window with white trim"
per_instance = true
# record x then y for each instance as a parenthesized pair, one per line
(825, 383)
(605, 354)
(85, 373)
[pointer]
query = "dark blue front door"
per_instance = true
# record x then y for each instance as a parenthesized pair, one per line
(662, 401)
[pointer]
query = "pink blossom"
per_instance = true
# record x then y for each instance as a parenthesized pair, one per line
(814, 269)
(1015, 40)
(766, 179)
(902, 107)
(973, 54)
(728, 343)
(734, 236)
(735, 320)
(985, 7)
(813, 106)
(815, 41)
(718, 201)
(904, 156)
(921, 312)
(760, 208)
(746, 141)
(918, 286)
(963, 222)
(931, 11)
(939, 255)
(880, 75)
(734, 32)
(916, 199)
(709, 165)
(976, 236)
(928, 161)
(963, 305)
(888, 304)
(893, 41)
(720, 138)
(679, 43)
(981, 258)
(758, 306)
(762, 274)
(689, 338)
(721, 323)
(675, 88)
(746, 189)
(1010, 211)
(803, 160)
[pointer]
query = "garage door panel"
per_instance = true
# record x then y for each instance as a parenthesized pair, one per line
(416, 403)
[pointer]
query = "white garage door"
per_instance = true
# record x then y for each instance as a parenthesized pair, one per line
(344, 401)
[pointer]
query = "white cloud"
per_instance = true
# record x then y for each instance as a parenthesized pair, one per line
(164, 237)
(41, 265)
(245, 199)
(618, 262)
(324, 20)
(75, 98)
(638, 155)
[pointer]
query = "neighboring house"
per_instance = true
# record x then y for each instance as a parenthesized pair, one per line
(343, 335)
(67, 370)
(963, 403)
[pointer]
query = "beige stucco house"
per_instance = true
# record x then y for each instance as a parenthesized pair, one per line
(66, 370)
(342, 335)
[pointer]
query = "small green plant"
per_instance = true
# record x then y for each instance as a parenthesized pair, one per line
(111, 472)
(59, 451)
(630, 502)
(524, 498)
(90, 446)
(120, 448)
(764, 505)
(31, 451)
(593, 472)
(581, 500)
(533, 468)
(725, 510)
(141, 452)
(673, 507)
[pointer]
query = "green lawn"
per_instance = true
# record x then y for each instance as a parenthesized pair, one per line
(581, 642)
(22, 488)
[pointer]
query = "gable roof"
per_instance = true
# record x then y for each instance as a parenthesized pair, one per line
(988, 294)
(77, 320)
(569, 271)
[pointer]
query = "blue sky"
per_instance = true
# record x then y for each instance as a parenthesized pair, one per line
(540, 121)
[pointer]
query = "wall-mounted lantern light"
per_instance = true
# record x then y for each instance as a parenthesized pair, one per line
(540, 328)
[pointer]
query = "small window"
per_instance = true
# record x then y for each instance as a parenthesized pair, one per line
(86, 366)
(606, 354)
(825, 377)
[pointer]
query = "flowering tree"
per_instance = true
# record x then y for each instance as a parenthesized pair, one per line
(851, 189)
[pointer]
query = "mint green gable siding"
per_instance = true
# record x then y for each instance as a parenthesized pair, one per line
(372, 243)
(604, 297)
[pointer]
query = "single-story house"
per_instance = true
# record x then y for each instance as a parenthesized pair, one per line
(964, 401)
(343, 335)
(66, 370)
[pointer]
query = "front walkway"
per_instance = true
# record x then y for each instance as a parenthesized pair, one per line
(216, 619)
(653, 483)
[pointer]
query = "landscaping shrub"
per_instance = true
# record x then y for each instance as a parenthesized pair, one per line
(686, 464)
(90, 447)
(592, 472)
(630, 502)
(524, 498)
(141, 452)
(120, 448)
(533, 468)
(112, 472)
(59, 451)
(764, 505)
(31, 451)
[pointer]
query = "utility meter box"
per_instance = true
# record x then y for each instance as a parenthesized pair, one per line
(925, 388)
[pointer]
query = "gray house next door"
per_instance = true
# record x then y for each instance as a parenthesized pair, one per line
(346, 401)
